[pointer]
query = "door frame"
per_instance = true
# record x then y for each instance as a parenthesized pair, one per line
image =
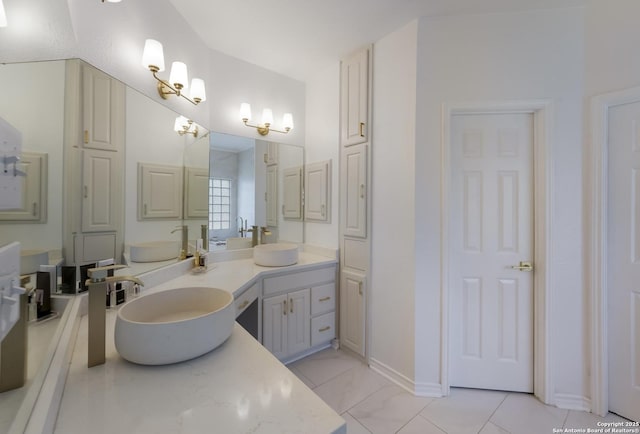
(597, 242)
(542, 111)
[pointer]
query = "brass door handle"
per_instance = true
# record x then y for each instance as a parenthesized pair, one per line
(523, 266)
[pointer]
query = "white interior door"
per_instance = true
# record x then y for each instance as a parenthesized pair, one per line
(623, 268)
(491, 231)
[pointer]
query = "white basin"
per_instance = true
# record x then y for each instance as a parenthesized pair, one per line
(31, 260)
(154, 251)
(234, 243)
(174, 325)
(275, 255)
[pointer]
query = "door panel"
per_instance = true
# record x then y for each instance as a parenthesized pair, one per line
(623, 269)
(491, 231)
(352, 311)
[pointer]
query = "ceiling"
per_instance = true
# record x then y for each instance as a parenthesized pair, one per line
(297, 37)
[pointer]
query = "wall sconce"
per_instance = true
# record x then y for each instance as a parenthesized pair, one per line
(153, 58)
(3, 16)
(185, 126)
(267, 120)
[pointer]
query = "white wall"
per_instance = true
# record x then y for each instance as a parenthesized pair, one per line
(502, 57)
(36, 108)
(322, 143)
(392, 286)
(111, 37)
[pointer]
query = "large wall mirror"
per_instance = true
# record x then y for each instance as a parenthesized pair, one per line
(34, 103)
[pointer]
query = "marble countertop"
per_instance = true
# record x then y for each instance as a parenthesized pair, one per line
(237, 388)
(237, 275)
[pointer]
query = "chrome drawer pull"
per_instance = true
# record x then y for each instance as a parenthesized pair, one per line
(325, 299)
(324, 329)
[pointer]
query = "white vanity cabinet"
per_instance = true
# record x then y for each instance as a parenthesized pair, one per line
(298, 312)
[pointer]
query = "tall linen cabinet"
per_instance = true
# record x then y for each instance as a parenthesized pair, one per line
(355, 198)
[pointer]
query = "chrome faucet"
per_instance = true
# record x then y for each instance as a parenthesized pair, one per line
(242, 228)
(97, 284)
(185, 240)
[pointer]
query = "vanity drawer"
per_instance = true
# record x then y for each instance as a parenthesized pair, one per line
(302, 279)
(323, 299)
(246, 299)
(323, 328)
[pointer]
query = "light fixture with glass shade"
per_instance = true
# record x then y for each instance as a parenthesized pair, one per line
(184, 126)
(3, 16)
(267, 119)
(153, 59)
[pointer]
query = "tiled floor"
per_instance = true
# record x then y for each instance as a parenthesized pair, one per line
(372, 404)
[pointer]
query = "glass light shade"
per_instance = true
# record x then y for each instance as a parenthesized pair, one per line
(181, 122)
(267, 116)
(3, 16)
(152, 54)
(179, 74)
(197, 89)
(287, 121)
(245, 111)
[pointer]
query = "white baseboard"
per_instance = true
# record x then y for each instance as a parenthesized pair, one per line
(393, 375)
(572, 402)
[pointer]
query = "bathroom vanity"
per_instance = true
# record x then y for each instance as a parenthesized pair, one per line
(238, 387)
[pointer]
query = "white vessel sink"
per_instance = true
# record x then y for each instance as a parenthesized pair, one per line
(275, 255)
(31, 260)
(154, 251)
(174, 325)
(234, 243)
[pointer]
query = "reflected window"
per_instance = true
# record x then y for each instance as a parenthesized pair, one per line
(219, 203)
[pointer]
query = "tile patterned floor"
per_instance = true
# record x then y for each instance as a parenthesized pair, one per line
(371, 404)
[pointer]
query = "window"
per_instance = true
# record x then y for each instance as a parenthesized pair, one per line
(219, 203)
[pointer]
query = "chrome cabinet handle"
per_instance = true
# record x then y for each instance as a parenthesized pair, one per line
(523, 266)
(291, 305)
(360, 288)
(285, 307)
(324, 329)
(361, 191)
(325, 299)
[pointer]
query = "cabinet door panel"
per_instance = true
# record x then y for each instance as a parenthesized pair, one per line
(196, 197)
(274, 325)
(317, 199)
(354, 98)
(292, 194)
(354, 195)
(100, 191)
(103, 119)
(298, 321)
(352, 311)
(159, 191)
(33, 203)
(271, 196)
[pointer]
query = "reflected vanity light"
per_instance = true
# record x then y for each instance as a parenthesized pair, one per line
(267, 120)
(153, 59)
(3, 16)
(184, 126)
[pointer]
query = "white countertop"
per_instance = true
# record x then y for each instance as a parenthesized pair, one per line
(237, 388)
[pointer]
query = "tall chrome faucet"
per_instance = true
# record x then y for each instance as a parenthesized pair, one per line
(97, 284)
(185, 240)
(243, 229)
